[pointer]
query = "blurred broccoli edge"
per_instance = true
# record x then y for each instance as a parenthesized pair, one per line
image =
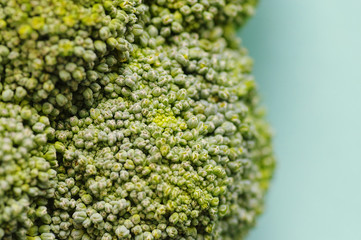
(125, 119)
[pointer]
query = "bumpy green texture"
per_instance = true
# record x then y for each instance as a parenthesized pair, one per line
(27, 179)
(126, 119)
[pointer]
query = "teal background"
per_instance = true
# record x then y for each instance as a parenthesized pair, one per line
(308, 67)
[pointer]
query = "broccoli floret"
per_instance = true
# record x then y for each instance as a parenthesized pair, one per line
(193, 15)
(27, 174)
(53, 51)
(129, 120)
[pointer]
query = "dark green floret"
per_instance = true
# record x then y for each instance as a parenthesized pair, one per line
(129, 119)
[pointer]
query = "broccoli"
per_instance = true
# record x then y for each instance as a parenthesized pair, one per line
(129, 119)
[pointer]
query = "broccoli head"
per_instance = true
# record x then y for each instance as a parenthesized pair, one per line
(129, 119)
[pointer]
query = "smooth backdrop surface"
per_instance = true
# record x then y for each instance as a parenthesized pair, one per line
(308, 67)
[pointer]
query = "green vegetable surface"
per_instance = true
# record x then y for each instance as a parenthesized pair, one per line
(123, 119)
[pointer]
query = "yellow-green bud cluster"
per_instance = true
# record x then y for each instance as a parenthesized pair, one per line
(53, 51)
(129, 119)
(178, 151)
(177, 16)
(27, 175)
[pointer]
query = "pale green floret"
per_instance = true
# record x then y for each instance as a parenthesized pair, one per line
(7, 95)
(129, 120)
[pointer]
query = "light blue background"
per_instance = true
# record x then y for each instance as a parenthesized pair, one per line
(308, 67)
